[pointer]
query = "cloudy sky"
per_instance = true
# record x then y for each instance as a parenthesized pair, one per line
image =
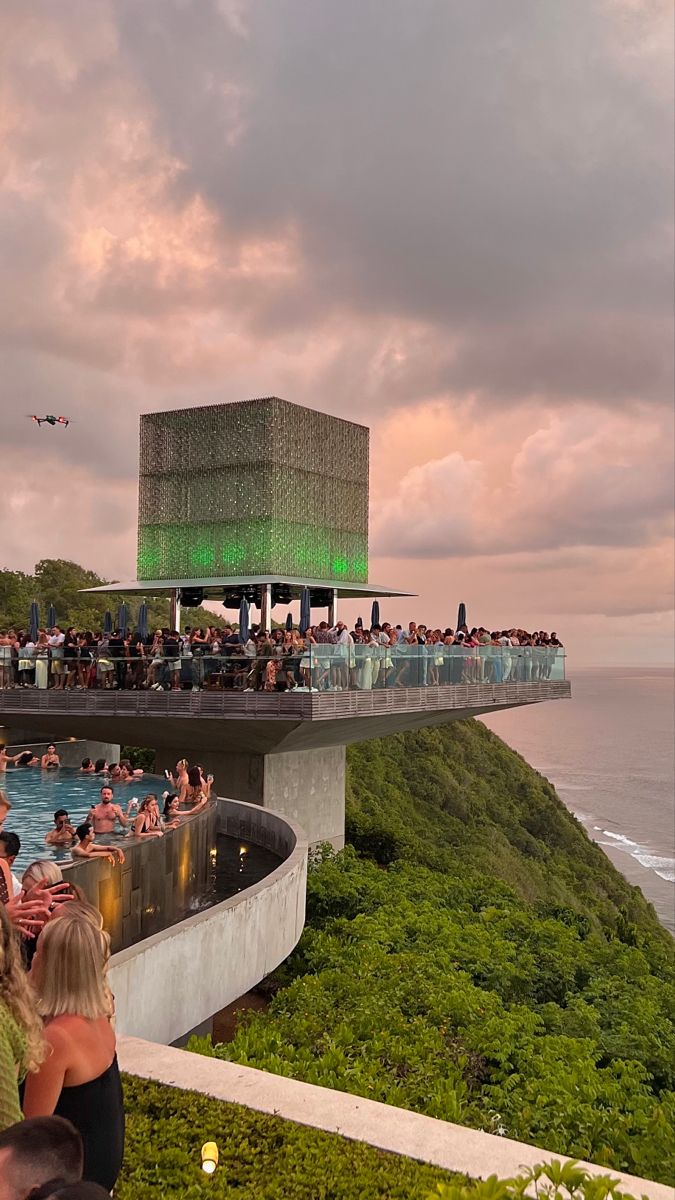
(451, 221)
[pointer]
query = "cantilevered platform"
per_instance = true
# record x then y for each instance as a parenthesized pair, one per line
(262, 722)
(284, 750)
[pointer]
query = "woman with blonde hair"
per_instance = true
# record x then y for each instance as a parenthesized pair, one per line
(43, 871)
(148, 822)
(80, 1079)
(22, 1046)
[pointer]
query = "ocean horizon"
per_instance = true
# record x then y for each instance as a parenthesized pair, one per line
(609, 754)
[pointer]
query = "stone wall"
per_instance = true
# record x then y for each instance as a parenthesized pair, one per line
(156, 885)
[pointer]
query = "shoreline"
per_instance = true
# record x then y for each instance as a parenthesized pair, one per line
(638, 876)
(608, 754)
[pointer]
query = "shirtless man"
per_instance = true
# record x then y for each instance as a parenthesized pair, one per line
(85, 847)
(50, 759)
(6, 758)
(105, 814)
(63, 833)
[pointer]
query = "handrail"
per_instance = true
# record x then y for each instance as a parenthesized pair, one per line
(318, 667)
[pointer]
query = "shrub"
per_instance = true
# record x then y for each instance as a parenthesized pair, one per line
(497, 971)
(260, 1157)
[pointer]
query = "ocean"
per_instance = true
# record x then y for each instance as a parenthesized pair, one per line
(609, 753)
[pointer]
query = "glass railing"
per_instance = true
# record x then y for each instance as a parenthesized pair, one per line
(317, 668)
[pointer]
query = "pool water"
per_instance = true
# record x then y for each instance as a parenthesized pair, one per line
(35, 795)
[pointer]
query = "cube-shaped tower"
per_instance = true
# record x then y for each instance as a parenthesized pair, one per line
(259, 487)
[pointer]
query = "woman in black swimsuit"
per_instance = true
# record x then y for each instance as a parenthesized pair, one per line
(148, 822)
(79, 1079)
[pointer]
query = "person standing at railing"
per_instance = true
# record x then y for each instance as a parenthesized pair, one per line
(70, 658)
(322, 655)
(505, 643)
(42, 661)
(56, 656)
(26, 661)
(343, 660)
(6, 680)
(156, 658)
(136, 660)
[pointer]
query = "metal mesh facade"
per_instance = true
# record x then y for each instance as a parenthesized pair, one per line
(261, 487)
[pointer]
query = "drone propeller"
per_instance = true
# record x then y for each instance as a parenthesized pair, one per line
(48, 420)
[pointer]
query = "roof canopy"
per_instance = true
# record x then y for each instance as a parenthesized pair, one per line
(214, 588)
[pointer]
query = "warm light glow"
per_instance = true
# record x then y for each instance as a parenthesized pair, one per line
(242, 851)
(209, 1157)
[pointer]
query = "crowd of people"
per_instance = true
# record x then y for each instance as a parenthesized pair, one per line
(321, 658)
(61, 1107)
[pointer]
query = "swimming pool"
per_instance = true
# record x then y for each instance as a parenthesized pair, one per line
(35, 795)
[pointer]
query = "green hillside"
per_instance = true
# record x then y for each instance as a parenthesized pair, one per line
(472, 955)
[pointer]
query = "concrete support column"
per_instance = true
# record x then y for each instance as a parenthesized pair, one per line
(306, 785)
(333, 609)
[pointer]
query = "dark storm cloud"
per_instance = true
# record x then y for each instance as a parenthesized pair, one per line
(478, 167)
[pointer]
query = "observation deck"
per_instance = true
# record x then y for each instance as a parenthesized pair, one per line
(285, 749)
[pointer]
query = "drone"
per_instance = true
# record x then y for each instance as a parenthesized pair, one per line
(49, 420)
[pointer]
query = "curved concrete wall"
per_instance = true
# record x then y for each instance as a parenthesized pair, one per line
(157, 883)
(172, 982)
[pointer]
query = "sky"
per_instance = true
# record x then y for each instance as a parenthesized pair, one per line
(449, 221)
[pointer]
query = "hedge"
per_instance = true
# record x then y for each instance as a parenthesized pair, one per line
(268, 1158)
(260, 1157)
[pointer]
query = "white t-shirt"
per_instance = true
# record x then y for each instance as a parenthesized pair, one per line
(16, 884)
(56, 644)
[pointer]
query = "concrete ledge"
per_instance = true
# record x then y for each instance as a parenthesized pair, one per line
(177, 979)
(440, 1143)
(71, 751)
(262, 722)
(158, 882)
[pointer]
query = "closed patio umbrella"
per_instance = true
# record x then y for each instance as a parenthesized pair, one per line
(51, 617)
(243, 621)
(359, 623)
(461, 616)
(375, 614)
(34, 621)
(123, 618)
(305, 610)
(143, 622)
(107, 621)
(289, 622)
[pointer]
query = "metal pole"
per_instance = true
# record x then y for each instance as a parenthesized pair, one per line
(174, 609)
(266, 608)
(333, 609)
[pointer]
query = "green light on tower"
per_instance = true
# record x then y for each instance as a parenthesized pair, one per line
(262, 487)
(203, 555)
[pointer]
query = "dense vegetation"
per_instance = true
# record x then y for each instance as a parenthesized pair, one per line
(260, 1157)
(268, 1158)
(59, 582)
(472, 955)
